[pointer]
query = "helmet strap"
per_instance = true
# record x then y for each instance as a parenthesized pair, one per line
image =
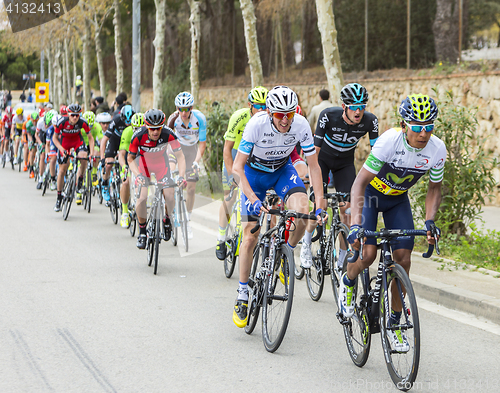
(347, 116)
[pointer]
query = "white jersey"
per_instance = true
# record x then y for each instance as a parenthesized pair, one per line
(41, 126)
(398, 166)
(269, 149)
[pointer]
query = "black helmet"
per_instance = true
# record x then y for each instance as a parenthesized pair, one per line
(353, 94)
(126, 114)
(74, 108)
(154, 118)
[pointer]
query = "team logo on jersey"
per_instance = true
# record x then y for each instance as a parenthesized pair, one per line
(421, 163)
(290, 140)
(275, 152)
(284, 190)
(398, 180)
(266, 134)
(323, 121)
(294, 178)
(264, 141)
(402, 152)
(344, 138)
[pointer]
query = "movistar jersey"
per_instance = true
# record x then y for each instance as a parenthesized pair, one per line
(236, 126)
(269, 149)
(339, 139)
(398, 166)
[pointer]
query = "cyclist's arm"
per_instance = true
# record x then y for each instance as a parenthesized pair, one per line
(358, 195)
(132, 164)
(239, 170)
(373, 134)
(316, 180)
(432, 200)
(57, 142)
(121, 158)
(91, 143)
(201, 149)
(227, 156)
(104, 141)
(181, 162)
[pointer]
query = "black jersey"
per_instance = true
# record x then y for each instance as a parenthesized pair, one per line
(339, 139)
(116, 127)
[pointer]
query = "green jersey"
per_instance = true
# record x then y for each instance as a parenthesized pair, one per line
(126, 138)
(96, 131)
(236, 126)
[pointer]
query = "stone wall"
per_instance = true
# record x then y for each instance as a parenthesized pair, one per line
(481, 90)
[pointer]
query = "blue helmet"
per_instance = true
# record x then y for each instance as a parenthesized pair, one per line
(353, 94)
(126, 114)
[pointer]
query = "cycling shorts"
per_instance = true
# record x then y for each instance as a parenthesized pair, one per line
(43, 137)
(226, 184)
(343, 171)
(285, 182)
(78, 147)
(396, 211)
(112, 146)
(189, 157)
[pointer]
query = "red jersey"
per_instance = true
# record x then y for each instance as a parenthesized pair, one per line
(7, 121)
(71, 136)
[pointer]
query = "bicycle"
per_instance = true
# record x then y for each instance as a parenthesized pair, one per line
(131, 206)
(115, 183)
(325, 259)
(179, 216)
(70, 185)
(271, 281)
(88, 187)
(154, 226)
(372, 311)
(233, 232)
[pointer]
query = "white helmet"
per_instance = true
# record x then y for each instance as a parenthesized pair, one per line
(103, 117)
(281, 99)
(184, 99)
(78, 77)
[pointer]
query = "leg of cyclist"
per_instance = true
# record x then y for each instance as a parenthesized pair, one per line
(141, 210)
(168, 193)
(224, 213)
(81, 153)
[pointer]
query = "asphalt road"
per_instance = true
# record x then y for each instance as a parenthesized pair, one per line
(80, 311)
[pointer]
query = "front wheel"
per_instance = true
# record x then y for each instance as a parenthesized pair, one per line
(315, 275)
(69, 189)
(278, 299)
(337, 243)
(402, 362)
(133, 223)
(255, 292)
(184, 223)
(231, 246)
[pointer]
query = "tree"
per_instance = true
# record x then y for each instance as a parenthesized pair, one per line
(331, 57)
(252, 45)
(194, 19)
(159, 44)
(445, 29)
(118, 46)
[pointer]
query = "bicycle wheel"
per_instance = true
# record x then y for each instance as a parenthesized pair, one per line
(174, 234)
(156, 243)
(299, 272)
(338, 241)
(184, 223)
(69, 189)
(133, 223)
(231, 244)
(278, 299)
(99, 191)
(315, 276)
(151, 229)
(402, 365)
(88, 189)
(255, 292)
(45, 183)
(357, 332)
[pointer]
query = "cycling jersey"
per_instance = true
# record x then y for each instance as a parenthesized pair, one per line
(116, 127)
(50, 134)
(126, 138)
(236, 126)
(19, 121)
(194, 132)
(337, 138)
(71, 136)
(96, 132)
(29, 127)
(7, 121)
(269, 149)
(41, 127)
(398, 166)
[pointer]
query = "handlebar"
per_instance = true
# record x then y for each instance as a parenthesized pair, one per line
(283, 213)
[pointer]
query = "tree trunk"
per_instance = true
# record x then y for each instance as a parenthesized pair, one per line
(445, 30)
(159, 44)
(194, 19)
(252, 45)
(64, 95)
(73, 95)
(86, 66)
(331, 56)
(67, 97)
(59, 82)
(118, 47)
(100, 60)
(49, 54)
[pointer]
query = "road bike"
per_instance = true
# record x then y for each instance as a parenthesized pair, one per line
(271, 281)
(70, 185)
(179, 217)
(233, 232)
(115, 182)
(374, 304)
(88, 186)
(327, 244)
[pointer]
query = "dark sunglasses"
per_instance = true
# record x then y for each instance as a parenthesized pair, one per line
(185, 109)
(259, 106)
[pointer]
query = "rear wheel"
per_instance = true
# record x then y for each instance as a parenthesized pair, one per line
(174, 236)
(45, 183)
(231, 245)
(278, 299)
(88, 189)
(156, 243)
(151, 229)
(133, 223)
(401, 364)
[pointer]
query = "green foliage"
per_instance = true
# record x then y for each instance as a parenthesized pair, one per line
(468, 177)
(173, 85)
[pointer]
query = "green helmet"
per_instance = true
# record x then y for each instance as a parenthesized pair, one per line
(34, 116)
(49, 116)
(258, 95)
(419, 108)
(89, 117)
(137, 120)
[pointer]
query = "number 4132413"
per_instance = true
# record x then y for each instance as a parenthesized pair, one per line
(34, 8)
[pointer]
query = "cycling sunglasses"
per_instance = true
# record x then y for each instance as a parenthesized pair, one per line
(73, 114)
(280, 116)
(354, 108)
(187, 109)
(418, 128)
(259, 106)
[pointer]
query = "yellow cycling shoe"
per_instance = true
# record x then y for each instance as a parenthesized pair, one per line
(240, 313)
(125, 220)
(78, 199)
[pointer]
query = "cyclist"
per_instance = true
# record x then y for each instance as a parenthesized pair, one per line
(235, 128)
(17, 127)
(6, 128)
(42, 125)
(136, 123)
(397, 161)
(190, 127)
(29, 129)
(96, 130)
(67, 136)
(337, 135)
(150, 144)
(51, 119)
(111, 142)
(263, 162)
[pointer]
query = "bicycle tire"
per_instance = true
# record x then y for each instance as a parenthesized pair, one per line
(99, 192)
(299, 272)
(184, 223)
(402, 366)
(68, 197)
(231, 244)
(156, 245)
(357, 333)
(315, 275)
(254, 293)
(174, 234)
(88, 189)
(278, 299)
(4, 159)
(45, 184)
(151, 228)
(339, 236)
(133, 224)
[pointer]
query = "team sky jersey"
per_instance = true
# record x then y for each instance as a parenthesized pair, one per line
(153, 153)
(339, 139)
(236, 126)
(96, 132)
(7, 121)
(269, 149)
(50, 134)
(69, 132)
(116, 127)
(19, 121)
(398, 166)
(194, 132)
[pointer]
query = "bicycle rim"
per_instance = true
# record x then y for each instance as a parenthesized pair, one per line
(133, 224)
(231, 244)
(174, 234)
(45, 185)
(184, 222)
(278, 299)
(315, 277)
(402, 367)
(89, 190)
(254, 292)
(150, 241)
(333, 252)
(68, 198)
(156, 244)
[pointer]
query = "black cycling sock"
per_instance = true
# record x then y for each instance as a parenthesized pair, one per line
(59, 194)
(105, 182)
(142, 228)
(80, 182)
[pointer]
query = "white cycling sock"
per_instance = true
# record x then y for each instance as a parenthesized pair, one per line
(307, 237)
(243, 291)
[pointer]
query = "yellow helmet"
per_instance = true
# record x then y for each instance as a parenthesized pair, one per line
(258, 95)
(19, 111)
